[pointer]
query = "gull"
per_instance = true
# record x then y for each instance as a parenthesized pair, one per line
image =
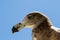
(42, 28)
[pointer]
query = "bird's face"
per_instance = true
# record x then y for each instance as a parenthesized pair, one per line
(31, 20)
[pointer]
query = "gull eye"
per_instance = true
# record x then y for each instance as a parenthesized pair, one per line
(30, 17)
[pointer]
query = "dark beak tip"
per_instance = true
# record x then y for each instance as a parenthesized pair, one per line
(14, 30)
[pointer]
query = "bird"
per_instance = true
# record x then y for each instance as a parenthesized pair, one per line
(42, 28)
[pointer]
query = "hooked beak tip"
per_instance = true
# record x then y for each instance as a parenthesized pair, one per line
(14, 30)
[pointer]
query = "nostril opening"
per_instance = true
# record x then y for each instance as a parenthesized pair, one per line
(19, 23)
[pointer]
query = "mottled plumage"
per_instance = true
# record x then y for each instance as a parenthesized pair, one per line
(42, 29)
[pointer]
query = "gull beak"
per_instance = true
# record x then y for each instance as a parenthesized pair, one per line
(17, 27)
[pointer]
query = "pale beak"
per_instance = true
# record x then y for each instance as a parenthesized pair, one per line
(17, 27)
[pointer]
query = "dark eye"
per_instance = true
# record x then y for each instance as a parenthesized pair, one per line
(30, 17)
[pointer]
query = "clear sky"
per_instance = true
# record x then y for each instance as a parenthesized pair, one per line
(13, 11)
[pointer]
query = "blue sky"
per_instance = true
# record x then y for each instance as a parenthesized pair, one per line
(13, 11)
